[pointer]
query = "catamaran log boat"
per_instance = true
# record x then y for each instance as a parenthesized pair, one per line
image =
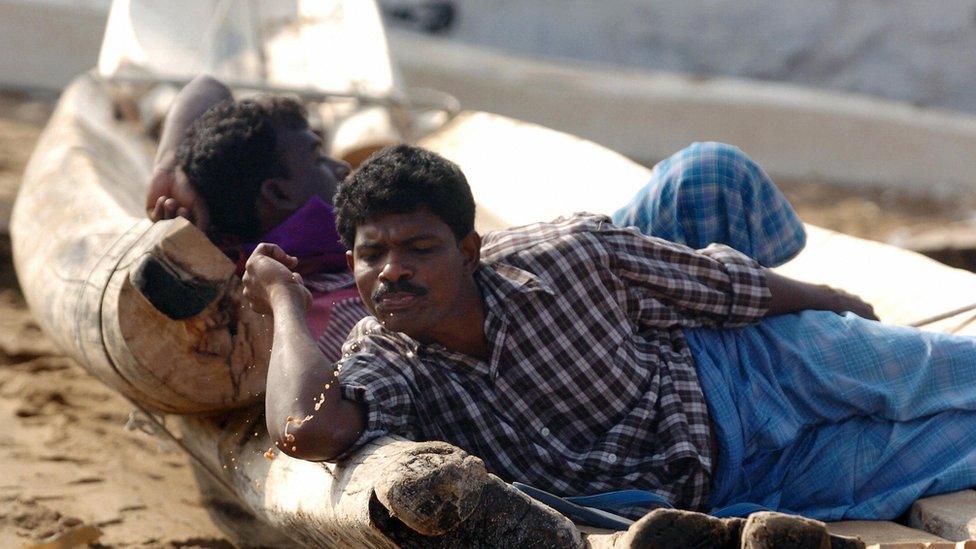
(155, 311)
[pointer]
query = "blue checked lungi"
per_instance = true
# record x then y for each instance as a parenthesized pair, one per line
(829, 416)
(712, 192)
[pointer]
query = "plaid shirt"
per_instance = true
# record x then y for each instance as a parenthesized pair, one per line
(590, 386)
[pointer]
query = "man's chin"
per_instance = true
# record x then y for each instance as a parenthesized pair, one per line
(400, 322)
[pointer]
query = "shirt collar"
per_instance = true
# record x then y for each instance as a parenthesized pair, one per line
(501, 284)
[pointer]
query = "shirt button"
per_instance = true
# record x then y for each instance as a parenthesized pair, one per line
(409, 354)
(545, 431)
(612, 458)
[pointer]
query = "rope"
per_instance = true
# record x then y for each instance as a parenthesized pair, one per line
(160, 427)
(416, 99)
(942, 316)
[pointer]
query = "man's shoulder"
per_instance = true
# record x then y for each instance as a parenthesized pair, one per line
(369, 337)
(497, 245)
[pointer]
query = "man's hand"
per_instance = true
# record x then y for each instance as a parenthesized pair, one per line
(790, 296)
(168, 181)
(839, 301)
(268, 276)
(171, 195)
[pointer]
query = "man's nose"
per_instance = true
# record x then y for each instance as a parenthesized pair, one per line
(340, 168)
(395, 271)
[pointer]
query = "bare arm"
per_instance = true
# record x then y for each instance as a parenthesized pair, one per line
(306, 415)
(790, 296)
(194, 99)
(169, 193)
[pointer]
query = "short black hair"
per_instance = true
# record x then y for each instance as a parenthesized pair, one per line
(404, 179)
(230, 150)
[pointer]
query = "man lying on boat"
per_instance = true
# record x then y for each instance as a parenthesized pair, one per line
(580, 357)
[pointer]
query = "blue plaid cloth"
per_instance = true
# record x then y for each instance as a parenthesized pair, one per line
(713, 192)
(829, 416)
(836, 417)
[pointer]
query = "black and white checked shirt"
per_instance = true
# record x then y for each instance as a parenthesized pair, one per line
(590, 386)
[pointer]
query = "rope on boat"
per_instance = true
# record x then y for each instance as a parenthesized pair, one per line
(161, 428)
(958, 328)
(416, 99)
(943, 316)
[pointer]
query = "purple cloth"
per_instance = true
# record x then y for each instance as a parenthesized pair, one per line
(310, 235)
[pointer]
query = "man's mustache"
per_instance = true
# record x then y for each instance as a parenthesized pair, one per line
(398, 287)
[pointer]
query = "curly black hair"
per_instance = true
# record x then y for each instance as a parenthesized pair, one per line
(403, 179)
(230, 150)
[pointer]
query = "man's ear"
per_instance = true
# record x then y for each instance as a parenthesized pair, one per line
(272, 193)
(470, 247)
(349, 260)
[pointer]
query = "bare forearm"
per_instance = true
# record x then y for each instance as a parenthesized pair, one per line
(193, 100)
(306, 414)
(790, 296)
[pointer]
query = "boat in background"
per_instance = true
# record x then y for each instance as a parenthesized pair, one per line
(854, 141)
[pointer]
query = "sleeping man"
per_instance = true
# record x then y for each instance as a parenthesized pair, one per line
(252, 170)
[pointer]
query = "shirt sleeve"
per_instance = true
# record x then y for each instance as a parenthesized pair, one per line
(668, 284)
(371, 374)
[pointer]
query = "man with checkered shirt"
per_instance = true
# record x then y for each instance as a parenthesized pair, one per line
(581, 357)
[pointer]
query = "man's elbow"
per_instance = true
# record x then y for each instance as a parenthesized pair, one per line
(322, 435)
(205, 83)
(314, 444)
(318, 449)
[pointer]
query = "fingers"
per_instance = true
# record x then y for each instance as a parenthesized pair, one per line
(856, 305)
(868, 312)
(859, 307)
(275, 252)
(167, 208)
(161, 184)
(156, 213)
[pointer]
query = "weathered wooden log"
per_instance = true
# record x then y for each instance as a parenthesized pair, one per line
(392, 493)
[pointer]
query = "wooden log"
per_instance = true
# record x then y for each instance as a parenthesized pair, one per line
(153, 310)
(391, 493)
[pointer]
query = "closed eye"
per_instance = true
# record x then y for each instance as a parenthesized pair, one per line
(368, 253)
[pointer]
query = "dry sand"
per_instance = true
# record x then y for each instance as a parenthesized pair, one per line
(67, 459)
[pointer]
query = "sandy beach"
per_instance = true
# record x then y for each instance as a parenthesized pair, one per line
(67, 458)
